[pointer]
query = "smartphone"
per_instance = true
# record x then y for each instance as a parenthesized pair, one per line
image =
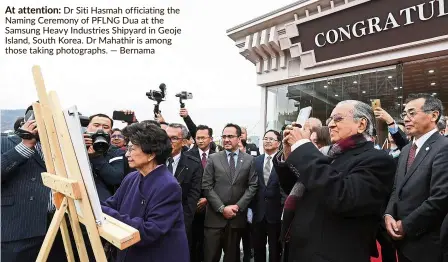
(303, 116)
(376, 103)
(121, 116)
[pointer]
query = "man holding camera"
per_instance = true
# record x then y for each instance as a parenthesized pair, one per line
(107, 161)
(27, 207)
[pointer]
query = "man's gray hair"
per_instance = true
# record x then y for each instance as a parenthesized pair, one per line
(431, 103)
(362, 110)
(441, 125)
(184, 129)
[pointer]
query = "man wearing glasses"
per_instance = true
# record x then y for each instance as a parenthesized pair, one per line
(419, 201)
(229, 184)
(268, 203)
(188, 171)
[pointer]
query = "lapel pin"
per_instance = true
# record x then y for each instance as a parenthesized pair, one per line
(427, 148)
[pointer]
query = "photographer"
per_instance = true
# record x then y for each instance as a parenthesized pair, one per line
(107, 163)
(27, 207)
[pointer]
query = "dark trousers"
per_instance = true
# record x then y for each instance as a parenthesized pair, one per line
(388, 251)
(197, 247)
(219, 239)
(247, 243)
(265, 233)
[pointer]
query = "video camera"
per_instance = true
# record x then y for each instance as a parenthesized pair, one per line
(184, 95)
(100, 141)
(157, 96)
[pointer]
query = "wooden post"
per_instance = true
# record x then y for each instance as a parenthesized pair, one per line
(65, 179)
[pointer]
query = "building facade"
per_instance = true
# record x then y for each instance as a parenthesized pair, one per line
(319, 52)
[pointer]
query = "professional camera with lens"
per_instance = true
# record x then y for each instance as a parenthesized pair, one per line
(184, 95)
(100, 141)
(157, 96)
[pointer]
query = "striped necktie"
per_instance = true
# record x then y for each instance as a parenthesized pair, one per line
(50, 207)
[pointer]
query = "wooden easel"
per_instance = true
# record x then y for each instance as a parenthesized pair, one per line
(57, 145)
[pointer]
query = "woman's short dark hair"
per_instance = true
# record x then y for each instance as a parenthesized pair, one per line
(323, 136)
(151, 139)
(150, 122)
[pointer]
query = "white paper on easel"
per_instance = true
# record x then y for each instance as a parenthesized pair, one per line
(303, 116)
(74, 127)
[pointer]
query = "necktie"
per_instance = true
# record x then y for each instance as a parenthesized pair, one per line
(232, 165)
(267, 170)
(170, 164)
(50, 207)
(204, 160)
(411, 156)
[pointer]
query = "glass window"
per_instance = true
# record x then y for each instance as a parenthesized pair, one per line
(284, 102)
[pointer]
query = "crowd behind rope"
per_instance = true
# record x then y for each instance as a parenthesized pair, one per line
(318, 193)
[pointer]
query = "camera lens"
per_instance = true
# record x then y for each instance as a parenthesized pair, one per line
(100, 144)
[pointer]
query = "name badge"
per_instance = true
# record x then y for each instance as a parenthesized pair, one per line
(253, 153)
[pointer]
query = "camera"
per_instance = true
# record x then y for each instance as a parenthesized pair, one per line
(183, 96)
(24, 134)
(100, 141)
(157, 96)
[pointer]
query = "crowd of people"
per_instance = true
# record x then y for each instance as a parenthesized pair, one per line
(318, 193)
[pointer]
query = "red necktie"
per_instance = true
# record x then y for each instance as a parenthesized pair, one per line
(411, 156)
(204, 160)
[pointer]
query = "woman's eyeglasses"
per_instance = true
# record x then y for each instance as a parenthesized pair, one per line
(117, 136)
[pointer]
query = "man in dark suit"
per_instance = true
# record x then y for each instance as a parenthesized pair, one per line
(339, 211)
(267, 205)
(419, 201)
(27, 207)
(188, 171)
(229, 184)
(202, 150)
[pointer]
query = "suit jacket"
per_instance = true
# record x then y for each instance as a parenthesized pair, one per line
(420, 199)
(444, 239)
(219, 189)
(189, 175)
(400, 139)
(24, 198)
(338, 216)
(269, 200)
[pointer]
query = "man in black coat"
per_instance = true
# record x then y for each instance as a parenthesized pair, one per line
(335, 201)
(419, 201)
(188, 171)
(202, 150)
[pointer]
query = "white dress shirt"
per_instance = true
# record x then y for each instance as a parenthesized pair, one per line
(201, 152)
(422, 140)
(266, 158)
(175, 163)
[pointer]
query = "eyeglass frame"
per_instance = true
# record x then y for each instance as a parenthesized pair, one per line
(269, 139)
(202, 138)
(407, 113)
(230, 137)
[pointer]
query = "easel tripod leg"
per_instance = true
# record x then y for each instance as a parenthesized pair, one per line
(52, 231)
